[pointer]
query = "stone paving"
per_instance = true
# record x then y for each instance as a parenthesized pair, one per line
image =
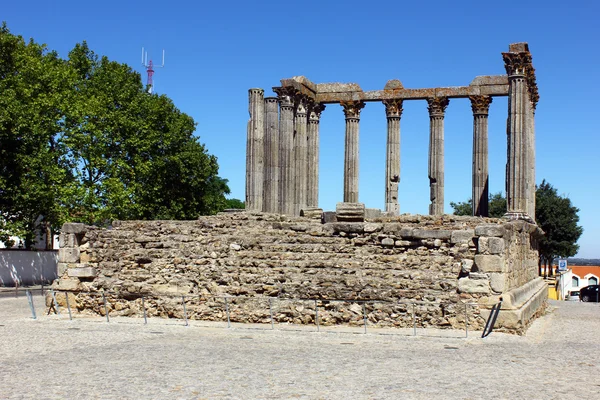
(54, 358)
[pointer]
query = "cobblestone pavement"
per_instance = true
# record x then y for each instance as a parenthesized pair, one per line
(54, 358)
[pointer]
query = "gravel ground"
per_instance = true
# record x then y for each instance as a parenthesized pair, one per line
(54, 358)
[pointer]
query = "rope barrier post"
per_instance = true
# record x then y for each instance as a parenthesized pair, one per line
(466, 322)
(227, 312)
(55, 302)
(317, 316)
(364, 307)
(271, 314)
(184, 311)
(30, 300)
(144, 308)
(68, 306)
(105, 308)
(414, 321)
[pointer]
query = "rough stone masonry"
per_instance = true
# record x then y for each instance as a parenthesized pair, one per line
(439, 262)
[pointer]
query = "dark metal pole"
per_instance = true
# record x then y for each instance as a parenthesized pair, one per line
(30, 300)
(271, 313)
(365, 316)
(184, 310)
(105, 308)
(317, 316)
(68, 306)
(227, 311)
(144, 308)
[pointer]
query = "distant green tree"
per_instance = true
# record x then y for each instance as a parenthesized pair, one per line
(558, 218)
(235, 204)
(497, 206)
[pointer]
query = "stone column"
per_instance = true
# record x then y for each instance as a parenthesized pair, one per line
(255, 150)
(520, 166)
(271, 182)
(437, 108)
(286, 151)
(352, 113)
(300, 148)
(480, 106)
(393, 111)
(312, 195)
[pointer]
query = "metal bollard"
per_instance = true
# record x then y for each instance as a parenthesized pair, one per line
(414, 321)
(68, 306)
(144, 308)
(317, 316)
(184, 310)
(365, 316)
(30, 300)
(105, 308)
(55, 302)
(227, 311)
(466, 321)
(271, 313)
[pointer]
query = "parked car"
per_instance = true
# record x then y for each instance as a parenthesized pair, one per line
(590, 293)
(573, 295)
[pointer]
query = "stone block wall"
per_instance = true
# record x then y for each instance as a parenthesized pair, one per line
(439, 263)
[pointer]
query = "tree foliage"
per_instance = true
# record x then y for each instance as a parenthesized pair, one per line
(496, 207)
(558, 218)
(82, 140)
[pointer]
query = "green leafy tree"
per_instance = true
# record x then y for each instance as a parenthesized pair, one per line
(82, 140)
(496, 207)
(558, 218)
(34, 172)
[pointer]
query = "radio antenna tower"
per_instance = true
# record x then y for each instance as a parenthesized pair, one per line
(150, 68)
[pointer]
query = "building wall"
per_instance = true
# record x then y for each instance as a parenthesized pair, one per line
(439, 262)
(24, 268)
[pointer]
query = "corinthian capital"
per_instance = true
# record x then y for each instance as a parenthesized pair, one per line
(480, 104)
(285, 95)
(315, 110)
(437, 106)
(393, 108)
(352, 108)
(517, 63)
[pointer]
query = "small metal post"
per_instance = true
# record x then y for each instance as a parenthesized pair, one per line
(271, 313)
(414, 321)
(365, 316)
(227, 311)
(55, 302)
(466, 321)
(105, 308)
(144, 308)
(184, 310)
(68, 306)
(30, 300)
(317, 316)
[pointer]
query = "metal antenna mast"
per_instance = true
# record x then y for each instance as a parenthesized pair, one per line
(150, 68)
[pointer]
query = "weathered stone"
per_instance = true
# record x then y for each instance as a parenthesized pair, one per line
(68, 255)
(489, 230)
(328, 217)
(73, 227)
(85, 272)
(235, 247)
(389, 242)
(350, 212)
(466, 266)
(371, 213)
(463, 236)
(66, 284)
(498, 282)
(61, 268)
(351, 166)
(84, 257)
(311, 212)
(496, 245)
(430, 234)
(348, 227)
(489, 263)
(437, 108)
(371, 227)
(473, 286)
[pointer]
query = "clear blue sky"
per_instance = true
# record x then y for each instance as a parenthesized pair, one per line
(216, 51)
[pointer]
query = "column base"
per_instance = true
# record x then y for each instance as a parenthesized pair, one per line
(518, 215)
